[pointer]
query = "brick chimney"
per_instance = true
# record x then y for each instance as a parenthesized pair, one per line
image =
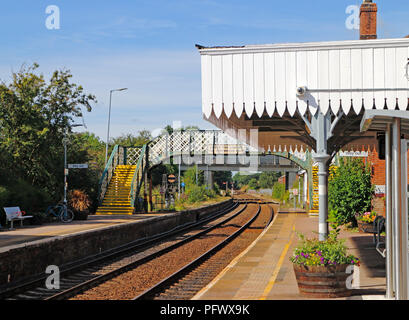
(367, 15)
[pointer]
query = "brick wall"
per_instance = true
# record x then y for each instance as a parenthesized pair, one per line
(378, 179)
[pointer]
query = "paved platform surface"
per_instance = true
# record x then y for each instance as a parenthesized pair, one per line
(26, 234)
(263, 271)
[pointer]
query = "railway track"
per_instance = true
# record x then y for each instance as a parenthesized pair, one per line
(89, 272)
(195, 263)
(82, 281)
(191, 278)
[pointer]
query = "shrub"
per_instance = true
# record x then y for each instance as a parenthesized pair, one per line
(196, 194)
(80, 203)
(278, 191)
(4, 196)
(349, 191)
(253, 184)
(216, 189)
(78, 200)
(28, 197)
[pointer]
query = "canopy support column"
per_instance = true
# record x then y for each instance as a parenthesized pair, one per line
(394, 123)
(400, 211)
(321, 129)
(322, 160)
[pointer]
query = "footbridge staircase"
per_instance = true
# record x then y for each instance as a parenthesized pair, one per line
(127, 172)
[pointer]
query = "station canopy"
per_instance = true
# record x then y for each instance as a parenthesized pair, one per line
(275, 88)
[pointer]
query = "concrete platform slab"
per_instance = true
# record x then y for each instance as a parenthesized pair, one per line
(264, 271)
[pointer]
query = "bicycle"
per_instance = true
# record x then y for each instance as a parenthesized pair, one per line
(60, 211)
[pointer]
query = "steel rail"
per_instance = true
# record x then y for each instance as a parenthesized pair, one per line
(159, 287)
(110, 274)
(115, 253)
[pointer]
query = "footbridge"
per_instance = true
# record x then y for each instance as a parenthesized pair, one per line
(128, 169)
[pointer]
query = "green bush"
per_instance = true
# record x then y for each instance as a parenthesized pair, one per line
(29, 198)
(278, 191)
(350, 191)
(196, 194)
(22, 194)
(210, 193)
(4, 196)
(216, 189)
(253, 184)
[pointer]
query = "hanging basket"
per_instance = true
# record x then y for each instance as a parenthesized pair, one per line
(322, 281)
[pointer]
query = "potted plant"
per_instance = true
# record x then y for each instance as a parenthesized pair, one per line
(321, 267)
(80, 203)
(365, 221)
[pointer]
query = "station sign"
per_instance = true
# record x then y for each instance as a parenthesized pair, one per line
(362, 154)
(78, 166)
(294, 191)
(171, 178)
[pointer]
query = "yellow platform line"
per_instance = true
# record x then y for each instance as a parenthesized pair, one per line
(233, 263)
(278, 267)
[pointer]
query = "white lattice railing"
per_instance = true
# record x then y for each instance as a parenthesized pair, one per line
(198, 142)
(192, 142)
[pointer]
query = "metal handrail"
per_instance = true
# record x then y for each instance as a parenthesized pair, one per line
(107, 174)
(135, 182)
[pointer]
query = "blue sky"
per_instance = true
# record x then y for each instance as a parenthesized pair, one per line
(148, 47)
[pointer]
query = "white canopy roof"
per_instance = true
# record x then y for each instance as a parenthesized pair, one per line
(347, 75)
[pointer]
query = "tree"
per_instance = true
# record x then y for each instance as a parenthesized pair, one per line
(350, 191)
(220, 177)
(267, 180)
(189, 177)
(35, 115)
(253, 184)
(278, 191)
(86, 148)
(244, 179)
(129, 140)
(169, 129)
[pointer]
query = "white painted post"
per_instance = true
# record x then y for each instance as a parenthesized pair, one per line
(397, 211)
(390, 288)
(404, 221)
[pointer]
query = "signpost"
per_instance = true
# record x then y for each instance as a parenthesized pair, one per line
(171, 178)
(78, 166)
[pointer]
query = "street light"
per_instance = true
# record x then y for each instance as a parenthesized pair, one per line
(65, 141)
(109, 121)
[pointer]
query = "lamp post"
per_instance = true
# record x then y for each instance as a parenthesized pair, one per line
(109, 120)
(65, 141)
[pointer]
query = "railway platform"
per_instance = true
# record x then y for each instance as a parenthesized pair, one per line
(27, 234)
(264, 272)
(27, 251)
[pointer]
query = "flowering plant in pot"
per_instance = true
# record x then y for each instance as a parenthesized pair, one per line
(365, 220)
(80, 203)
(321, 266)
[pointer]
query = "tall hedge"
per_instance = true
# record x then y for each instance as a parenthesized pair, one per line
(350, 191)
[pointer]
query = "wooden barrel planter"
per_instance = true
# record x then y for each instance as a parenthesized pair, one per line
(364, 226)
(322, 281)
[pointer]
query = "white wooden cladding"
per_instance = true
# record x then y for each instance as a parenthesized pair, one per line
(263, 78)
